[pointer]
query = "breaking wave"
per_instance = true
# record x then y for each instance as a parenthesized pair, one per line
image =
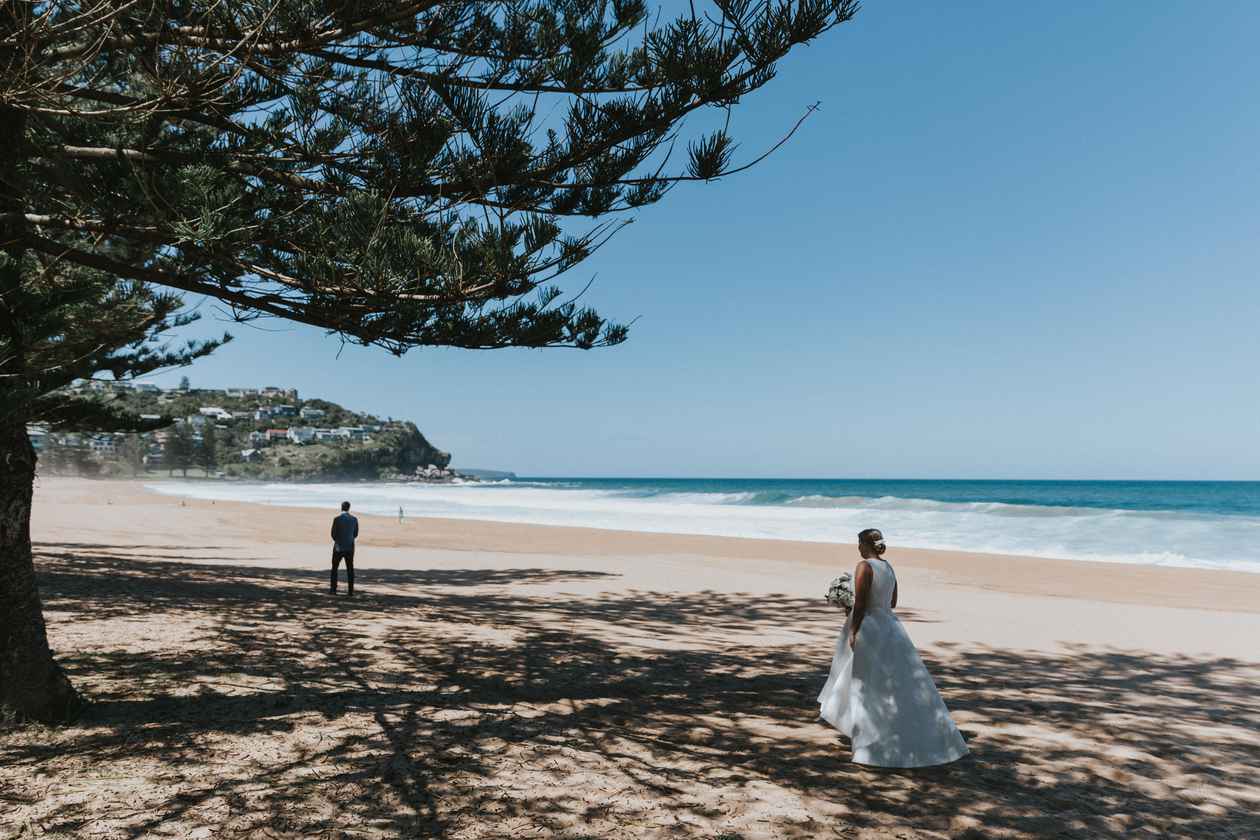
(1192, 532)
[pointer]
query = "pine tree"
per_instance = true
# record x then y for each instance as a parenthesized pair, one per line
(133, 450)
(398, 173)
(83, 462)
(180, 449)
(208, 449)
(52, 333)
(54, 459)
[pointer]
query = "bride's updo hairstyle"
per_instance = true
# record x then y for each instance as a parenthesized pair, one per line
(873, 541)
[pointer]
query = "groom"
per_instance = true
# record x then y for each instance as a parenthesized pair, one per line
(345, 529)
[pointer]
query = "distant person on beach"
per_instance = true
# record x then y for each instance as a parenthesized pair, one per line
(345, 530)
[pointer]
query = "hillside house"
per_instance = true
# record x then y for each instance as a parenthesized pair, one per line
(104, 444)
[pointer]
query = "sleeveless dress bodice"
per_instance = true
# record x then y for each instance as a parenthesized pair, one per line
(884, 581)
(880, 694)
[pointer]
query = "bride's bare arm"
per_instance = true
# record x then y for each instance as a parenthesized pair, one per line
(861, 594)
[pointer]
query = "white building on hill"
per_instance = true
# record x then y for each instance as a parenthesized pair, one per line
(104, 444)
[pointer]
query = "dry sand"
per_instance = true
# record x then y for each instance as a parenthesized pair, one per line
(494, 680)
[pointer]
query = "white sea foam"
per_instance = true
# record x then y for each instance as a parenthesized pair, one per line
(1107, 535)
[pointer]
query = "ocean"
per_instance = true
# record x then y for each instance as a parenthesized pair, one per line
(1200, 524)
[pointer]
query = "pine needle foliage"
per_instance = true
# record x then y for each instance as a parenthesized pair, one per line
(62, 322)
(399, 173)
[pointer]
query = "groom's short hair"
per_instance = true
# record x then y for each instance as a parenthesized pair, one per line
(345, 506)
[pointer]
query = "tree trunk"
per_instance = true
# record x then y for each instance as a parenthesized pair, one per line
(32, 685)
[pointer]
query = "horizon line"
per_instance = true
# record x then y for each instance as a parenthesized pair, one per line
(867, 478)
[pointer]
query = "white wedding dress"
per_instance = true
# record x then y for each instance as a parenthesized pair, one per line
(882, 696)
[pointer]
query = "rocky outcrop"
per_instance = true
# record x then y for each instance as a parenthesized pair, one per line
(398, 450)
(414, 450)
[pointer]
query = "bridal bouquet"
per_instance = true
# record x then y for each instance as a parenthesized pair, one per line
(840, 592)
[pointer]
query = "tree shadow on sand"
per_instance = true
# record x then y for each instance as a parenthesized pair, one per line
(433, 710)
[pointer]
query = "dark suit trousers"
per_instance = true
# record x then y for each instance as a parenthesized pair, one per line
(337, 557)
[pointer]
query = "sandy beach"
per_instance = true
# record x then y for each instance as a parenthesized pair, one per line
(495, 680)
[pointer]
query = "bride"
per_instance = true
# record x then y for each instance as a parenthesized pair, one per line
(878, 692)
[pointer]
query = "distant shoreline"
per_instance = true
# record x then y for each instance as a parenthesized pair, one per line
(1151, 586)
(1205, 525)
(138, 485)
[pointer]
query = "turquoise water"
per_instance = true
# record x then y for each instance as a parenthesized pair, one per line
(1179, 523)
(1208, 497)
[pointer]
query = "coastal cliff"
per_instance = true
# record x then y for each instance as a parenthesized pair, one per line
(396, 452)
(266, 434)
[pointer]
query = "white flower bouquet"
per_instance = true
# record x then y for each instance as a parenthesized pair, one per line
(840, 593)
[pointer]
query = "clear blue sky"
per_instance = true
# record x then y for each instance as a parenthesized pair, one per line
(1014, 242)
